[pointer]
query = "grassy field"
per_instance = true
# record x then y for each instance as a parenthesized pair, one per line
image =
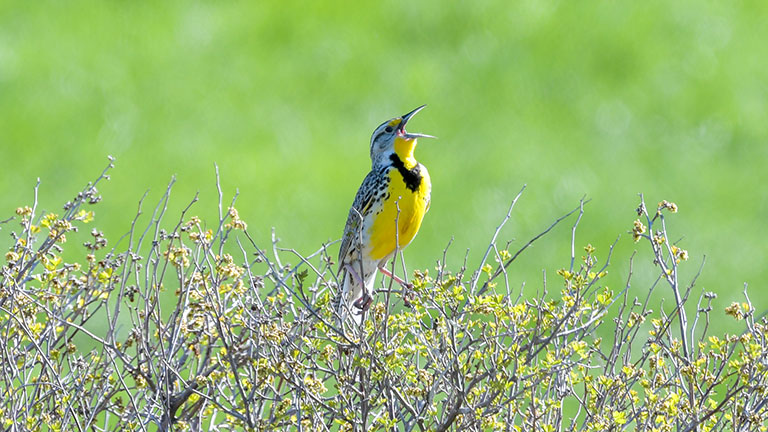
(597, 99)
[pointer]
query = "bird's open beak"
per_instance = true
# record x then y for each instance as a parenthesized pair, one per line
(407, 117)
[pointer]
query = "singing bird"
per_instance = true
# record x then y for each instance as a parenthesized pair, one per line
(386, 214)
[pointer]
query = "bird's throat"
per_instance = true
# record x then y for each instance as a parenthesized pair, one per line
(404, 150)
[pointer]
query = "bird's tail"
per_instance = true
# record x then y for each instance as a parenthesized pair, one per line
(351, 291)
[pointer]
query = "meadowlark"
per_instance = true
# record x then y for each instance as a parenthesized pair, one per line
(386, 214)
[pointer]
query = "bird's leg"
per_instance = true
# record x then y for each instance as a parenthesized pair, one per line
(365, 300)
(407, 287)
(354, 274)
(397, 279)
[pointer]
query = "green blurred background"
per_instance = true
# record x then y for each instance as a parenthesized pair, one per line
(603, 99)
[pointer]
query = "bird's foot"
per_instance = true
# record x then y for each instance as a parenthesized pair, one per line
(408, 295)
(363, 303)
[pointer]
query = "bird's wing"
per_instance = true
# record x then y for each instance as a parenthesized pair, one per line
(360, 206)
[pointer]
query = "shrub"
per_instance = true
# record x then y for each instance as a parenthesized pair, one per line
(186, 327)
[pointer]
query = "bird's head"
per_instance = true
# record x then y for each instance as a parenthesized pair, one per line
(391, 137)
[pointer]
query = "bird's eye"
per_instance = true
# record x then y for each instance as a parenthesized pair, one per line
(388, 129)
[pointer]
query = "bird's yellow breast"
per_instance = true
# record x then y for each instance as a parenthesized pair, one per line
(398, 219)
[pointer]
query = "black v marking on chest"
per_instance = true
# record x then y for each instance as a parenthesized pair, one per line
(412, 177)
